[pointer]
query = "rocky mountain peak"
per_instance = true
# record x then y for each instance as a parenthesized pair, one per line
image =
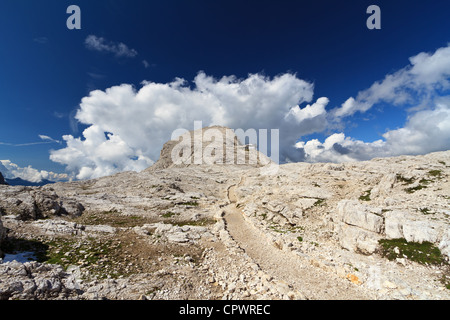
(215, 145)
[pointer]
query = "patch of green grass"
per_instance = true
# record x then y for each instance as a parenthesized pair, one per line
(442, 162)
(286, 229)
(435, 173)
(112, 218)
(65, 252)
(201, 223)
(425, 181)
(352, 266)
(276, 229)
(366, 196)
(424, 253)
(319, 203)
(113, 211)
(425, 211)
(297, 228)
(300, 239)
(405, 180)
(414, 189)
(189, 203)
(446, 281)
(168, 214)
(95, 255)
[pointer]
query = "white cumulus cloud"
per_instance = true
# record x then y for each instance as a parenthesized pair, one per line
(128, 127)
(423, 85)
(425, 131)
(426, 74)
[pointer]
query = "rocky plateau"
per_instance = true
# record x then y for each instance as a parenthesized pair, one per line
(369, 230)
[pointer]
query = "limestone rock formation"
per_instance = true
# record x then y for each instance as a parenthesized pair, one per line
(302, 231)
(34, 203)
(208, 146)
(33, 280)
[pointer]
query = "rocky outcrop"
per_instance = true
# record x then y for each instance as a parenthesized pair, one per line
(213, 145)
(33, 203)
(305, 231)
(176, 234)
(359, 226)
(33, 280)
(414, 229)
(338, 215)
(2, 180)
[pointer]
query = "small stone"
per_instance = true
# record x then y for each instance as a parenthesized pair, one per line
(389, 285)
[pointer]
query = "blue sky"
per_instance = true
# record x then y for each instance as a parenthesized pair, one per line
(46, 70)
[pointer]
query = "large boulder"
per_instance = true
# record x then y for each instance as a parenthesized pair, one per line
(384, 187)
(359, 226)
(353, 213)
(356, 239)
(399, 224)
(36, 281)
(31, 204)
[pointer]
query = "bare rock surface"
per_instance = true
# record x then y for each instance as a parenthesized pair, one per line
(233, 231)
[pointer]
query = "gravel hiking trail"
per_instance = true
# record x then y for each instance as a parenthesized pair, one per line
(297, 272)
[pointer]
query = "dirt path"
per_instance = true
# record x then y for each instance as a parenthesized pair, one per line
(312, 282)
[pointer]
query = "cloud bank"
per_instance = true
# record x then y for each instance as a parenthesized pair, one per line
(11, 170)
(421, 86)
(127, 126)
(425, 131)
